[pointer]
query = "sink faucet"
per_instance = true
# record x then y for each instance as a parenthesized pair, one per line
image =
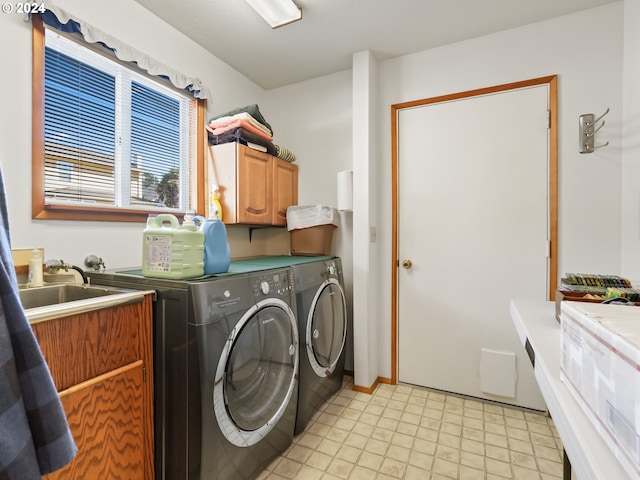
(95, 262)
(53, 266)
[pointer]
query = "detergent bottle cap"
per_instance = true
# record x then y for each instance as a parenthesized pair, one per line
(188, 219)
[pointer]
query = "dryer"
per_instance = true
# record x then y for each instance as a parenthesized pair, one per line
(322, 322)
(247, 337)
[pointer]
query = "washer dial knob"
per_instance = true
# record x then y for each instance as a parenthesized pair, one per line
(264, 287)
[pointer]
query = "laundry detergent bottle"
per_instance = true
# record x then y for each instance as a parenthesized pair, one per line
(217, 256)
(215, 208)
(171, 250)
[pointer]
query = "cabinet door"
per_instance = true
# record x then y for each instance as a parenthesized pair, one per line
(102, 364)
(110, 445)
(81, 347)
(285, 189)
(255, 184)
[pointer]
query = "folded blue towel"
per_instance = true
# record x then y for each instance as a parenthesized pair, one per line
(34, 434)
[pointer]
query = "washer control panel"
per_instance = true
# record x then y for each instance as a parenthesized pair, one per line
(277, 283)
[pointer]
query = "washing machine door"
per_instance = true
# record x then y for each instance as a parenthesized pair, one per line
(257, 372)
(326, 328)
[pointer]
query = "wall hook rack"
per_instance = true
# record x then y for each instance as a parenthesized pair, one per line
(588, 130)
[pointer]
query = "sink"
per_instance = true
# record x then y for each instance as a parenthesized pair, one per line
(47, 295)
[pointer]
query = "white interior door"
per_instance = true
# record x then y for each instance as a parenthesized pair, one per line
(473, 221)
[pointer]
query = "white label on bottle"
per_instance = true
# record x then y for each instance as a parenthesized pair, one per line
(158, 255)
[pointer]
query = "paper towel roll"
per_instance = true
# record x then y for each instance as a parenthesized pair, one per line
(345, 190)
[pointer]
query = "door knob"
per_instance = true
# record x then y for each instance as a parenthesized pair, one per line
(406, 264)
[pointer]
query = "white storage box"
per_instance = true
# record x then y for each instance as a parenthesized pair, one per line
(600, 365)
(311, 229)
(305, 216)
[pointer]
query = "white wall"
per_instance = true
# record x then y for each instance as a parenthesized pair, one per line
(631, 145)
(314, 120)
(365, 214)
(119, 244)
(585, 51)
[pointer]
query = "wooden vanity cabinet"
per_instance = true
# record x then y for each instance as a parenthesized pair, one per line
(101, 363)
(256, 188)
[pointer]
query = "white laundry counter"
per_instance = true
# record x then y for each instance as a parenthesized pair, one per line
(539, 332)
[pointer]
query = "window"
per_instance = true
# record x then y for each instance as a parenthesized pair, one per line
(110, 143)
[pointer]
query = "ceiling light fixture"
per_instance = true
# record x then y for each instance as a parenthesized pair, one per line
(277, 12)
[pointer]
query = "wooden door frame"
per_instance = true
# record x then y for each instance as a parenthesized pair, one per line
(552, 82)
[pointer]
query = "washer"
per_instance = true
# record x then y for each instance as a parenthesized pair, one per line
(247, 338)
(322, 321)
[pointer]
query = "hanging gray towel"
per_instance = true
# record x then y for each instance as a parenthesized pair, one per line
(34, 435)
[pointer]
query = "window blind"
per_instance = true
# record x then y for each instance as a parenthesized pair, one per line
(113, 137)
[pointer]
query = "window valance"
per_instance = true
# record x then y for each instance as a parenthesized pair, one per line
(62, 20)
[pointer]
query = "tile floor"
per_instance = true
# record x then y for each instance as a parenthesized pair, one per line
(407, 432)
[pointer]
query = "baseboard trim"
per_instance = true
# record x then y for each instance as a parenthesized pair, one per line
(372, 388)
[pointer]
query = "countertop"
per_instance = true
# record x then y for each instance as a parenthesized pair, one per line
(50, 312)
